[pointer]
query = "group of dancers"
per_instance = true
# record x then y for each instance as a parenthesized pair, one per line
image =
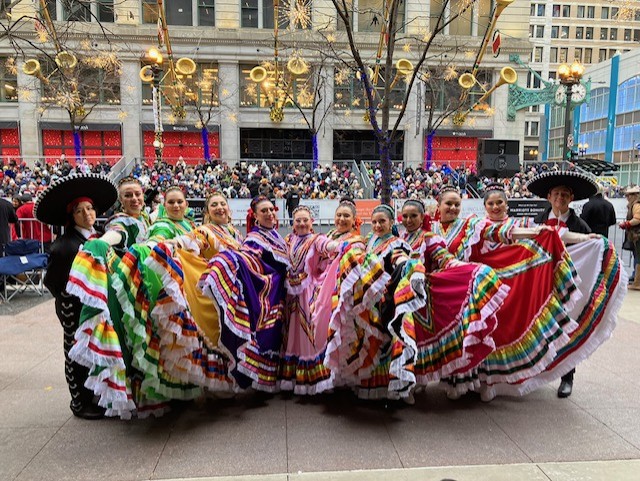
(162, 311)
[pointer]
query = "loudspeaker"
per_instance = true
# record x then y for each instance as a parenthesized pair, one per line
(498, 158)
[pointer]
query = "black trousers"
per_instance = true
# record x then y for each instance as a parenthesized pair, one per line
(68, 311)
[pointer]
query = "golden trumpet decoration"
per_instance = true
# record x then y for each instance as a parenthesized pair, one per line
(369, 74)
(279, 91)
(500, 6)
(404, 68)
(146, 74)
(467, 80)
(66, 60)
(185, 66)
(258, 74)
(297, 66)
(32, 67)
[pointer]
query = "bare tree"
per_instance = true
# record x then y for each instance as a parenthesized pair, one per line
(378, 81)
(78, 70)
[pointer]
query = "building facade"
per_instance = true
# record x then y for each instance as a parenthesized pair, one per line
(610, 122)
(226, 39)
(591, 32)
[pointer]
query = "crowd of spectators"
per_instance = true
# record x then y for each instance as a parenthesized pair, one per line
(249, 179)
(425, 183)
(18, 178)
(277, 179)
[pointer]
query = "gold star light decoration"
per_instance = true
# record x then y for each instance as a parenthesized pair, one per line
(25, 94)
(450, 73)
(426, 35)
(122, 115)
(251, 91)
(305, 97)
(295, 14)
(342, 75)
(41, 31)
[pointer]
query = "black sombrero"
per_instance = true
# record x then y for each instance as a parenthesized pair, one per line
(581, 186)
(51, 206)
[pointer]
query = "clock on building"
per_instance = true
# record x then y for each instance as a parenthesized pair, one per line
(578, 93)
(561, 94)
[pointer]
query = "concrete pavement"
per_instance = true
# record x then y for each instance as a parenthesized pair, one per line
(594, 434)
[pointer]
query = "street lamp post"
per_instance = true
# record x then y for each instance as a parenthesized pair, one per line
(569, 77)
(156, 70)
(582, 149)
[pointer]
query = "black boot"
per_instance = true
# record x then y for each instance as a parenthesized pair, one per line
(566, 385)
(89, 411)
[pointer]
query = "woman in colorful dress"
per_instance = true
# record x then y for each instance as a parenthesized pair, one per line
(302, 368)
(248, 289)
(188, 320)
(394, 292)
(340, 296)
(83, 197)
(459, 233)
(101, 340)
(454, 330)
(131, 225)
(139, 289)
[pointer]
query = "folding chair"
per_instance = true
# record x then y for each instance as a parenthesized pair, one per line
(22, 268)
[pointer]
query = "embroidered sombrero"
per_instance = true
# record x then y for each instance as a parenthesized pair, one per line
(580, 185)
(51, 205)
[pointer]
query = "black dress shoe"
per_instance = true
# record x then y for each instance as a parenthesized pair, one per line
(565, 389)
(90, 411)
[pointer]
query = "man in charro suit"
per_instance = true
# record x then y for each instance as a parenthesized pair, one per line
(561, 188)
(74, 202)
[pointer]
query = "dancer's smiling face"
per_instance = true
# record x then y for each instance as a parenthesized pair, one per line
(265, 214)
(218, 210)
(412, 218)
(344, 219)
(302, 222)
(449, 206)
(496, 206)
(380, 224)
(175, 204)
(132, 198)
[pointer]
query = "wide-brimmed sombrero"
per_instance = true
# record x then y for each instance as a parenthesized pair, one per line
(51, 206)
(581, 185)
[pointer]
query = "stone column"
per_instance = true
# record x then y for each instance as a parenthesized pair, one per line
(413, 138)
(325, 130)
(130, 103)
(229, 93)
(28, 101)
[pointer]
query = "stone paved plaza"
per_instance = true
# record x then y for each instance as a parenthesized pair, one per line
(593, 435)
